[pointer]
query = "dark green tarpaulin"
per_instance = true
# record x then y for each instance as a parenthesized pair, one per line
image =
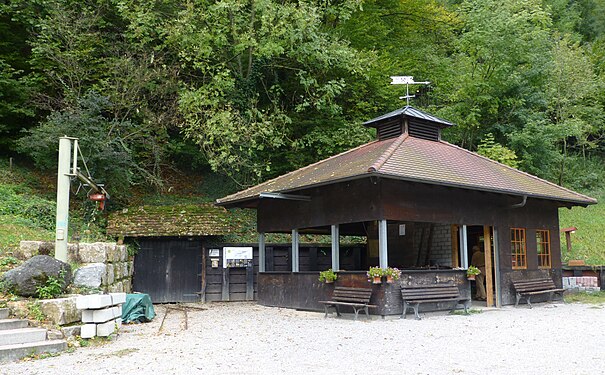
(138, 308)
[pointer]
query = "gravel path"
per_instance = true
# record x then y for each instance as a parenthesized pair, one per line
(244, 338)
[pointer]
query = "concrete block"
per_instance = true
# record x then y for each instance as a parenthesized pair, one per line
(17, 351)
(118, 298)
(106, 329)
(4, 313)
(6, 324)
(93, 301)
(566, 282)
(61, 311)
(101, 315)
(93, 252)
(90, 275)
(88, 331)
(22, 336)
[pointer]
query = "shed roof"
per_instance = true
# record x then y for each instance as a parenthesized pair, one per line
(177, 220)
(417, 160)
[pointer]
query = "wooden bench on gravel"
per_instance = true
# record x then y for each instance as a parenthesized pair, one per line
(413, 296)
(531, 287)
(357, 298)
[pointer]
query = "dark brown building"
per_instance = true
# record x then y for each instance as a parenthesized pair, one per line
(422, 204)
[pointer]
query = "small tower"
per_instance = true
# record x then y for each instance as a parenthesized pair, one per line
(408, 120)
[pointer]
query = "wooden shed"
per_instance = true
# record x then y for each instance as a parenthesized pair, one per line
(422, 204)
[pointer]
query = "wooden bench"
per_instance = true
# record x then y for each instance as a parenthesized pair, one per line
(413, 296)
(530, 287)
(357, 298)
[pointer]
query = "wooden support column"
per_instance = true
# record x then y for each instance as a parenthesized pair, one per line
(250, 282)
(225, 288)
(487, 245)
(295, 251)
(497, 281)
(383, 257)
(455, 247)
(261, 252)
(335, 248)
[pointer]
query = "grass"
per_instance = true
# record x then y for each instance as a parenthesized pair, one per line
(595, 298)
(588, 242)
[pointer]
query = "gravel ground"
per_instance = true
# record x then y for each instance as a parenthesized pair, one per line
(244, 338)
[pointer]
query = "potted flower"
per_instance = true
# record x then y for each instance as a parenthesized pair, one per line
(471, 272)
(328, 276)
(392, 274)
(375, 275)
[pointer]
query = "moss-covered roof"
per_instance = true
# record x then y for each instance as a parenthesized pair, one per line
(177, 220)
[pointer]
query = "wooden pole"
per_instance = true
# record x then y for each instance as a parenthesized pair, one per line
(487, 243)
(455, 254)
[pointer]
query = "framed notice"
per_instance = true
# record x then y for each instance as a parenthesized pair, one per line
(237, 256)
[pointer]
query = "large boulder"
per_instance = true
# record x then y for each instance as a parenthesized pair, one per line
(34, 273)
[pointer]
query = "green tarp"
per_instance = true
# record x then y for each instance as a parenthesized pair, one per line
(138, 308)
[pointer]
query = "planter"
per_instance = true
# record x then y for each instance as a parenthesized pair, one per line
(390, 279)
(329, 281)
(377, 280)
(471, 277)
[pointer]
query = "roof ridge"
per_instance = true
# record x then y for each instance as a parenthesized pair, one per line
(296, 170)
(519, 171)
(388, 153)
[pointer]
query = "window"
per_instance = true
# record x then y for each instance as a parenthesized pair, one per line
(543, 245)
(518, 248)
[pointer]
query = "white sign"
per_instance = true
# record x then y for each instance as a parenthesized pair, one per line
(213, 252)
(402, 80)
(232, 253)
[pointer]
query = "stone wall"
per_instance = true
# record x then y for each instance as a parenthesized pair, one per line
(441, 244)
(100, 265)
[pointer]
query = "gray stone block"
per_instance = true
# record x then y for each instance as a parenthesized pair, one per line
(90, 275)
(70, 331)
(27, 249)
(93, 252)
(34, 273)
(17, 351)
(123, 253)
(110, 274)
(61, 311)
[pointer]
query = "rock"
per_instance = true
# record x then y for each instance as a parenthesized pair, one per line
(27, 249)
(90, 275)
(70, 331)
(54, 334)
(109, 279)
(93, 252)
(127, 285)
(34, 273)
(123, 253)
(61, 311)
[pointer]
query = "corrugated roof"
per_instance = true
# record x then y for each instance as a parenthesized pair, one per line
(409, 111)
(177, 220)
(417, 160)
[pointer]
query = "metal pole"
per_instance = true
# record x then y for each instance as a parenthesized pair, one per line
(463, 247)
(261, 252)
(295, 255)
(335, 248)
(62, 218)
(383, 258)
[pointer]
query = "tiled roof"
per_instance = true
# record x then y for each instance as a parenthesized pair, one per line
(413, 159)
(177, 220)
(409, 111)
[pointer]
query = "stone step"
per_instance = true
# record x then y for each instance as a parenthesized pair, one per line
(4, 313)
(22, 336)
(18, 351)
(6, 324)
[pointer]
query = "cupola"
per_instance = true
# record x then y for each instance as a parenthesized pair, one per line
(410, 120)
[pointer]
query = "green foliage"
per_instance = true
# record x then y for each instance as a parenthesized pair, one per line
(587, 241)
(327, 276)
(495, 151)
(34, 311)
(595, 298)
(52, 288)
(18, 201)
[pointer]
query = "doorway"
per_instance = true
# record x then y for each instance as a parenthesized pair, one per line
(483, 237)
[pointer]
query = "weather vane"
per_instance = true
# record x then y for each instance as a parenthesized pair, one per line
(407, 81)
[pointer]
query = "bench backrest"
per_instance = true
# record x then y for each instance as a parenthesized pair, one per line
(533, 285)
(352, 295)
(428, 292)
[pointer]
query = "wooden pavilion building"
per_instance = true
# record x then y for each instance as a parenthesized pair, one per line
(422, 204)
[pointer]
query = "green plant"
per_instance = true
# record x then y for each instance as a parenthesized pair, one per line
(393, 272)
(472, 271)
(35, 311)
(52, 288)
(327, 276)
(375, 272)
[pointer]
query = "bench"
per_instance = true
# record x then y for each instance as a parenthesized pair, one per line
(530, 287)
(413, 296)
(357, 298)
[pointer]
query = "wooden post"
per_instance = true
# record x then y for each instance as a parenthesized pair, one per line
(261, 252)
(335, 247)
(250, 282)
(568, 241)
(383, 256)
(203, 286)
(225, 290)
(487, 245)
(497, 282)
(295, 251)
(455, 254)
